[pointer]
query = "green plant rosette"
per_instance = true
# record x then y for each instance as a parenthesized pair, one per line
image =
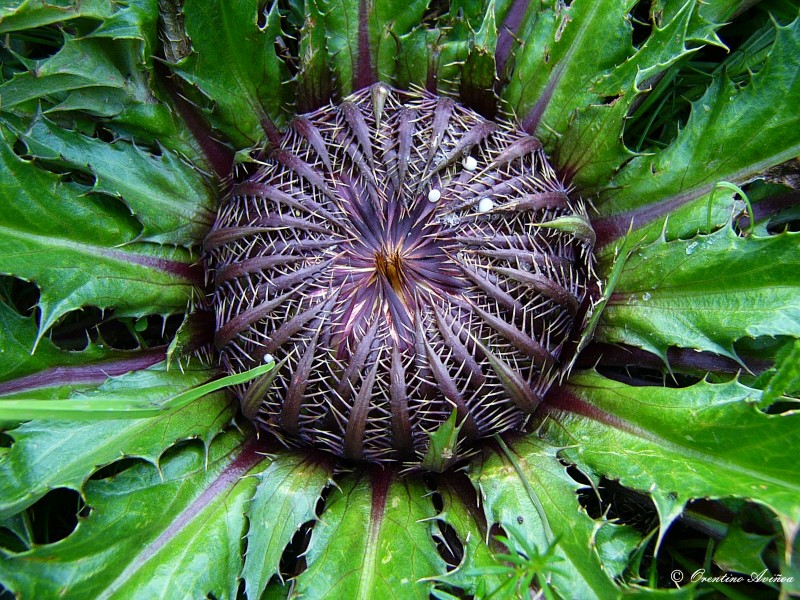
(664, 465)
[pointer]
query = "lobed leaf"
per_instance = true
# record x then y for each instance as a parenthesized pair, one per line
(526, 488)
(178, 528)
(469, 523)
(17, 340)
(362, 38)
(591, 147)
(27, 14)
(47, 454)
(235, 65)
(68, 244)
(684, 293)
(562, 50)
(733, 134)
(285, 499)
(704, 441)
(170, 198)
(372, 541)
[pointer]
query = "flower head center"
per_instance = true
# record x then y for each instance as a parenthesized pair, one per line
(389, 264)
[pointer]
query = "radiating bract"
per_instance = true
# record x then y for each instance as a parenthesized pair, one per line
(404, 258)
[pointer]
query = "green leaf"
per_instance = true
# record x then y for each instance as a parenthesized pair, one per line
(118, 398)
(786, 378)
(592, 147)
(68, 244)
(50, 454)
(526, 487)
(442, 449)
(562, 52)
(468, 522)
(372, 541)
(285, 499)
(169, 197)
(742, 551)
(178, 528)
(733, 134)
(685, 293)
(362, 38)
(98, 69)
(235, 65)
(479, 73)
(27, 14)
(704, 441)
(314, 79)
(18, 338)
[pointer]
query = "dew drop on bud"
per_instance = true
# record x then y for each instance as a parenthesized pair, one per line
(470, 164)
(485, 205)
(434, 195)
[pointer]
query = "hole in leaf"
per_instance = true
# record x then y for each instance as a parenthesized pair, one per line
(183, 446)
(21, 296)
(609, 100)
(449, 545)
(87, 180)
(75, 330)
(56, 515)
(6, 441)
(641, 22)
(115, 468)
(292, 561)
(614, 501)
(11, 540)
(105, 135)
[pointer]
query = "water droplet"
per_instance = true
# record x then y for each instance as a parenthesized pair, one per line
(434, 195)
(646, 296)
(690, 248)
(268, 358)
(485, 205)
(450, 220)
(470, 164)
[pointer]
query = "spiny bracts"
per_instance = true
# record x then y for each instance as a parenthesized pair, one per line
(404, 259)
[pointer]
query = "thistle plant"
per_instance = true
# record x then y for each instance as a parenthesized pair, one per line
(368, 299)
(404, 258)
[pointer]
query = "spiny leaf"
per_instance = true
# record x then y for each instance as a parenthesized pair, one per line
(373, 541)
(733, 134)
(118, 398)
(527, 488)
(314, 80)
(50, 454)
(704, 441)
(433, 55)
(177, 529)
(69, 245)
(36, 13)
(479, 73)
(592, 146)
(742, 551)
(468, 522)
(285, 499)
(786, 378)
(80, 64)
(562, 51)
(443, 445)
(235, 65)
(17, 340)
(684, 293)
(170, 198)
(362, 38)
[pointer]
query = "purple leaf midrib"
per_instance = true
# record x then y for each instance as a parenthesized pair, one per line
(86, 374)
(247, 458)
